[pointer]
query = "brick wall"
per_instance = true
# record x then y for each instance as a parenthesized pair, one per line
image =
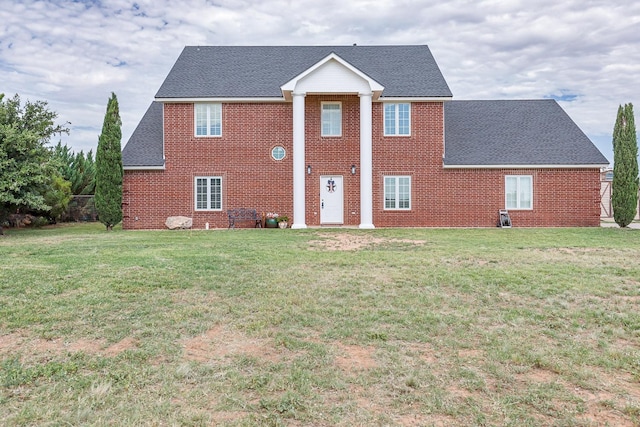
(251, 178)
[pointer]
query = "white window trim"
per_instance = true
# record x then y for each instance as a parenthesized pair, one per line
(195, 119)
(397, 119)
(518, 177)
(195, 193)
(322, 104)
(397, 185)
(284, 153)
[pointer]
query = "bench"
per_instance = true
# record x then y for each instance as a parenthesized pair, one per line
(243, 214)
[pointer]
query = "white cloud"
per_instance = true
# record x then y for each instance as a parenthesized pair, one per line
(75, 53)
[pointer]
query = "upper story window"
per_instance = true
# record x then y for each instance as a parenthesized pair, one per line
(331, 119)
(518, 193)
(397, 119)
(397, 192)
(208, 119)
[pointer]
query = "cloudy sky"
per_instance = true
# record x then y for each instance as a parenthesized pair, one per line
(73, 54)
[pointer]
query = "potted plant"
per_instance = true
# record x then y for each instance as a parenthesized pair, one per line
(271, 220)
(283, 221)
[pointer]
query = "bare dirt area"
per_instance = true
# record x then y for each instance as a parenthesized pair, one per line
(352, 358)
(220, 342)
(21, 342)
(354, 242)
(602, 405)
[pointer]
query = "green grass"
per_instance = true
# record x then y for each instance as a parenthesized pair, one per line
(493, 327)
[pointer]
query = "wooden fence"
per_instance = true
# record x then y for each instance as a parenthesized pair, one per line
(606, 210)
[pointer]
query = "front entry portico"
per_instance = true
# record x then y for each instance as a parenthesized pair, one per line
(332, 76)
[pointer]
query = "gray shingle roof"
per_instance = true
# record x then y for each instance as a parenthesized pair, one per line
(477, 133)
(260, 71)
(144, 148)
(527, 132)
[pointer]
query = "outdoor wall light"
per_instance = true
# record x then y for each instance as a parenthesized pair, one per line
(353, 169)
(308, 169)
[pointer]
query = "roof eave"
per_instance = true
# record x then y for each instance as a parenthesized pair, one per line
(143, 168)
(529, 166)
(415, 98)
(191, 100)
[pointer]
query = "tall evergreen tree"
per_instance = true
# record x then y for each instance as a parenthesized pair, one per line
(624, 197)
(108, 194)
(77, 168)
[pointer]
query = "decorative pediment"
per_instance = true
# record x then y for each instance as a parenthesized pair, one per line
(332, 75)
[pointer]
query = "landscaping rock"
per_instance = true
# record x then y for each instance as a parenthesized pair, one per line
(176, 222)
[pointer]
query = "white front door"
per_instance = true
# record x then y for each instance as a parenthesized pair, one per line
(331, 200)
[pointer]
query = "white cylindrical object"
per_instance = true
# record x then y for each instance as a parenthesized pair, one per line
(366, 162)
(299, 168)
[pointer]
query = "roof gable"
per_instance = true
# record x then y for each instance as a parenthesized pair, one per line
(518, 133)
(332, 75)
(261, 71)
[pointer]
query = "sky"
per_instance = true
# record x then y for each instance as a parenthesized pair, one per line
(74, 53)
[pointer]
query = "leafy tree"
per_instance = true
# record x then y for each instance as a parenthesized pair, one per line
(78, 169)
(108, 195)
(57, 195)
(624, 197)
(26, 164)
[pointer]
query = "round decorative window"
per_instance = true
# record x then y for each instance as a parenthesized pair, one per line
(278, 153)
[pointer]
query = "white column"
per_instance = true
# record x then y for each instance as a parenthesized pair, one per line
(299, 211)
(366, 162)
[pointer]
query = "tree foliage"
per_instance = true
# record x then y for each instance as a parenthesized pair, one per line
(26, 164)
(57, 195)
(108, 194)
(624, 197)
(77, 168)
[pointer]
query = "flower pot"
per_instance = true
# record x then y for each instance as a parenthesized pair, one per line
(283, 224)
(271, 223)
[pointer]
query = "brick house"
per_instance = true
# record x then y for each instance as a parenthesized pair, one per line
(365, 136)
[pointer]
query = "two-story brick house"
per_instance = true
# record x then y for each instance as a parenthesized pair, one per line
(364, 136)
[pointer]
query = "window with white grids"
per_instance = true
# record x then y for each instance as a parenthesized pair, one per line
(518, 192)
(397, 192)
(331, 119)
(208, 193)
(208, 119)
(397, 119)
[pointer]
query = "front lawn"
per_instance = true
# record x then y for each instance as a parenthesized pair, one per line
(320, 327)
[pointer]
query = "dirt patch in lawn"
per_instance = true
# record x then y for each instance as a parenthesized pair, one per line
(21, 342)
(354, 242)
(123, 345)
(416, 420)
(353, 358)
(220, 342)
(603, 405)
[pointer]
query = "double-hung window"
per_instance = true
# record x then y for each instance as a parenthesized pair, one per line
(331, 119)
(208, 119)
(208, 193)
(397, 119)
(397, 192)
(518, 192)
